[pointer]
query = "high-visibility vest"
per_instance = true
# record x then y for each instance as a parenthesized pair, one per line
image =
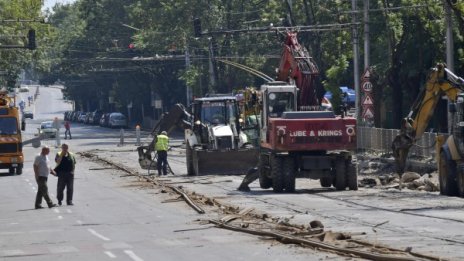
(162, 142)
(71, 156)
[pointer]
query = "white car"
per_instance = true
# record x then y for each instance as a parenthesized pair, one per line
(24, 89)
(47, 130)
(117, 120)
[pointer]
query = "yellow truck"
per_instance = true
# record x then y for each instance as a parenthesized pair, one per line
(11, 145)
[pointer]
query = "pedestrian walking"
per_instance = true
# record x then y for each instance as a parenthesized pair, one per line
(65, 166)
(67, 127)
(56, 126)
(161, 147)
(41, 171)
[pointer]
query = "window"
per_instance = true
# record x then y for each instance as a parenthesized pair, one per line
(280, 102)
(8, 126)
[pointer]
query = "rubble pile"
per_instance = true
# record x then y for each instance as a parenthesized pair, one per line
(377, 173)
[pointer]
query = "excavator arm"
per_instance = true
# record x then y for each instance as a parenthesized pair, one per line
(441, 81)
(297, 65)
(176, 117)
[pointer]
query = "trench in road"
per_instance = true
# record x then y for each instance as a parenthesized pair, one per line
(263, 224)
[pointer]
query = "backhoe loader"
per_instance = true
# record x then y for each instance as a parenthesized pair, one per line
(441, 81)
(215, 143)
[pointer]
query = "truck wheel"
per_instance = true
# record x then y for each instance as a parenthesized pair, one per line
(460, 183)
(340, 173)
(447, 176)
(19, 170)
(189, 160)
(264, 181)
(195, 162)
(277, 175)
(289, 174)
(352, 176)
(11, 171)
(326, 182)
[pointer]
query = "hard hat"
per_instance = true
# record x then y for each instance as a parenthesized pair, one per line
(164, 133)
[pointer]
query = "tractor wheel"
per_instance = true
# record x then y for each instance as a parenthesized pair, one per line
(340, 174)
(19, 170)
(460, 183)
(447, 176)
(326, 182)
(189, 160)
(265, 181)
(288, 172)
(351, 176)
(278, 182)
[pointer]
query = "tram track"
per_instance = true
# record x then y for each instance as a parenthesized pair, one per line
(259, 223)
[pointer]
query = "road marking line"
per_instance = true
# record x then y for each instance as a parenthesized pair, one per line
(132, 255)
(93, 232)
(111, 255)
(60, 217)
(69, 211)
(56, 210)
(79, 222)
(27, 180)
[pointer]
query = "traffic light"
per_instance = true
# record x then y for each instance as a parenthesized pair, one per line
(197, 27)
(31, 40)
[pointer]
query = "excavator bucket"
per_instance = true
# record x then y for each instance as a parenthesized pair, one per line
(229, 162)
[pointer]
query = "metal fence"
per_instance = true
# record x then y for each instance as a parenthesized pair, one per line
(380, 140)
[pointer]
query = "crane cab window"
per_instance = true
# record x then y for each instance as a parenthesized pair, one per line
(280, 102)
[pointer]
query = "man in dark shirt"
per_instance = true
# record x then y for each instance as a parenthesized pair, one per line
(65, 165)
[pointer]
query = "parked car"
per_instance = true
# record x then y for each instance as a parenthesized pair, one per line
(28, 115)
(87, 117)
(81, 117)
(117, 120)
(95, 117)
(104, 119)
(24, 89)
(47, 130)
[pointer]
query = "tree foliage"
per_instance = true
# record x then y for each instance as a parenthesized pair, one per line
(89, 48)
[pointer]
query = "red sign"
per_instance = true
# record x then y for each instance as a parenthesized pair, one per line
(367, 100)
(366, 75)
(367, 86)
(368, 113)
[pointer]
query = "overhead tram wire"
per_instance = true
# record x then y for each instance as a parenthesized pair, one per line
(248, 69)
(303, 28)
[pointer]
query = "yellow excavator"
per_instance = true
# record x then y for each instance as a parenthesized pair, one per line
(450, 149)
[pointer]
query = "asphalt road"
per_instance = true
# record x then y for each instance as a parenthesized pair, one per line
(120, 217)
(115, 217)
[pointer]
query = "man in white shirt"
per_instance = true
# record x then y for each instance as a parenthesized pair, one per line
(41, 171)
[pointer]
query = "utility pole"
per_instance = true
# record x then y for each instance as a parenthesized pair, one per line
(211, 67)
(356, 63)
(366, 35)
(449, 52)
(188, 92)
(449, 37)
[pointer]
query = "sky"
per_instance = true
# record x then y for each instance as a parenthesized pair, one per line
(48, 4)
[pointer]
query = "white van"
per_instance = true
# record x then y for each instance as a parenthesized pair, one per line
(117, 120)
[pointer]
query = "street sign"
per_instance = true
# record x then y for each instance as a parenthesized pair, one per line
(368, 113)
(367, 100)
(367, 86)
(366, 75)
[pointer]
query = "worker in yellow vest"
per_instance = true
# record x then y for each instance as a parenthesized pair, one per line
(161, 147)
